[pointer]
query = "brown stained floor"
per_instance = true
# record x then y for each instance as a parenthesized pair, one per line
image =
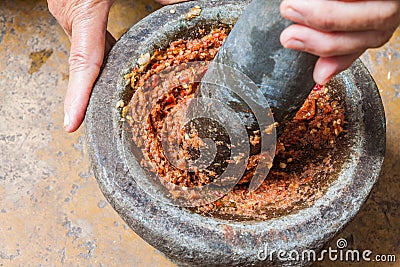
(51, 210)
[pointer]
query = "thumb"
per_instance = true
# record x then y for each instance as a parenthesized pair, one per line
(88, 40)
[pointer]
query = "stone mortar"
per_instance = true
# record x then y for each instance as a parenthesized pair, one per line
(191, 239)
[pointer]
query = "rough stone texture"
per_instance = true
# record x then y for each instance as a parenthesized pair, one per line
(188, 238)
(50, 205)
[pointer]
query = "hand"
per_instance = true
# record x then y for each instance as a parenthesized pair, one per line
(338, 31)
(85, 23)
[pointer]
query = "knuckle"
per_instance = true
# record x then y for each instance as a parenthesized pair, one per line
(326, 23)
(323, 20)
(390, 15)
(329, 47)
(56, 8)
(80, 61)
(381, 38)
(50, 6)
(59, 10)
(53, 9)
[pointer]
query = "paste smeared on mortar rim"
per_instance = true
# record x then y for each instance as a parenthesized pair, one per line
(303, 158)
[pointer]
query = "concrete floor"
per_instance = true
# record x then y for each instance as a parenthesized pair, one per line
(51, 210)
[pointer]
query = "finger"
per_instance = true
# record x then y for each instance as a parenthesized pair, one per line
(343, 15)
(87, 53)
(328, 44)
(326, 68)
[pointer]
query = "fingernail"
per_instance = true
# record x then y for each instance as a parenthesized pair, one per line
(322, 75)
(66, 120)
(292, 14)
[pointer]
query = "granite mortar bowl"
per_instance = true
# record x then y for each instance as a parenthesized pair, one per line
(190, 239)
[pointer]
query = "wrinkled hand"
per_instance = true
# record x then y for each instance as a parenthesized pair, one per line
(338, 31)
(85, 23)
